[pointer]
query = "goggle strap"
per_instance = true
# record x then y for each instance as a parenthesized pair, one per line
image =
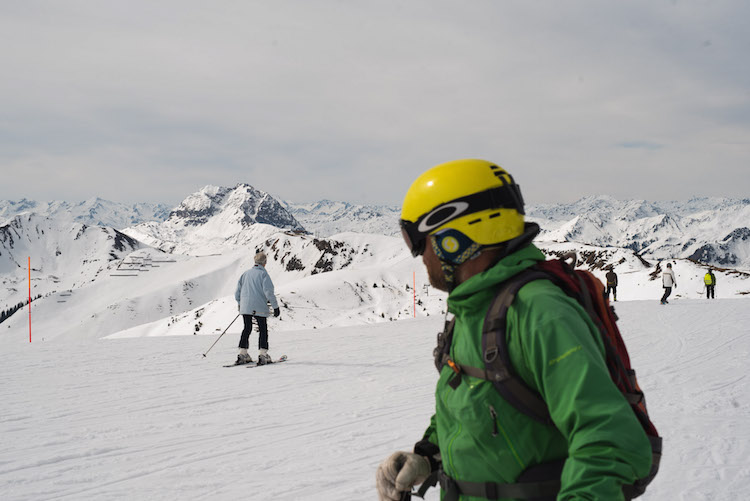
(507, 196)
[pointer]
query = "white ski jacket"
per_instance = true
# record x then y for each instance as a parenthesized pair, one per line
(254, 290)
(668, 278)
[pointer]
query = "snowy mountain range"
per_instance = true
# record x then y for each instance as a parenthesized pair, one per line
(171, 268)
(326, 217)
(713, 231)
(710, 230)
(91, 212)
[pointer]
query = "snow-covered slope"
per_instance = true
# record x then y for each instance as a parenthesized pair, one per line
(641, 279)
(351, 279)
(215, 219)
(64, 255)
(150, 418)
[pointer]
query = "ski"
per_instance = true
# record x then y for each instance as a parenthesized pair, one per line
(237, 365)
(282, 358)
(255, 364)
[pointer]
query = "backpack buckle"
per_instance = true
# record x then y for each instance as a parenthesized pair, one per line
(490, 355)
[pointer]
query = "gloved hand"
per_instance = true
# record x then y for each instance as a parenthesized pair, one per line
(276, 312)
(399, 473)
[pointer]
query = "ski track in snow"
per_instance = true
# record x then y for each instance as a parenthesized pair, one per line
(150, 418)
(691, 357)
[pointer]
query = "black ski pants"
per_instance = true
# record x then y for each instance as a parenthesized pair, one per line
(613, 289)
(667, 292)
(710, 292)
(262, 329)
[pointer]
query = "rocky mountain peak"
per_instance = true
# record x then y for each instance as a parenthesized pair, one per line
(242, 204)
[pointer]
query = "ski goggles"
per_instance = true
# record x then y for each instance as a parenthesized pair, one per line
(503, 197)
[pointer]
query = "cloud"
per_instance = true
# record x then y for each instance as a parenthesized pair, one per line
(643, 145)
(352, 100)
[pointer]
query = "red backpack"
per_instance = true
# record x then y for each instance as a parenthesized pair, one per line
(584, 287)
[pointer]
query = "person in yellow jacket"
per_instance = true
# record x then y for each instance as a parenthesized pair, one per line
(710, 280)
(466, 220)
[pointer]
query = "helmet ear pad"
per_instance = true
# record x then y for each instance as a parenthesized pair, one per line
(453, 246)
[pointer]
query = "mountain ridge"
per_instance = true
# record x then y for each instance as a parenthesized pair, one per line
(94, 211)
(711, 230)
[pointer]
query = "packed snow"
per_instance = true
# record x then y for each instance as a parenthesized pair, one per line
(151, 418)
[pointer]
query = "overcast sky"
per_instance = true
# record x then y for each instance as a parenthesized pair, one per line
(351, 100)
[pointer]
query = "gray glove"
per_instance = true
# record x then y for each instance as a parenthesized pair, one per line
(399, 473)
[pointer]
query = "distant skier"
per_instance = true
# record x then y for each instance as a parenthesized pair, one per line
(710, 281)
(254, 292)
(612, 283)
(668, 282)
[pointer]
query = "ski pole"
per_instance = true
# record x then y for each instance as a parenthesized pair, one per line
(217, 339)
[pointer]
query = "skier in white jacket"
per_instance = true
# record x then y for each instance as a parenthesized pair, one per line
(254, 292)
(668, 282)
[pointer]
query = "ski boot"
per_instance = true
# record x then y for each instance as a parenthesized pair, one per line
(243, 358)
(263, 357)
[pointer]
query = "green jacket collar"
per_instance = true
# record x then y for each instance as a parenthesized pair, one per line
(477, 291)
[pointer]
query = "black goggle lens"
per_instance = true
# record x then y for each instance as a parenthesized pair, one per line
(414, 241)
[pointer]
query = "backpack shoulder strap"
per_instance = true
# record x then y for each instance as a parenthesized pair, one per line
(444, 341)
(497, 365)
(495, 350)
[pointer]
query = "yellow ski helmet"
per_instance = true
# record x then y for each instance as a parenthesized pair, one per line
(476, 199)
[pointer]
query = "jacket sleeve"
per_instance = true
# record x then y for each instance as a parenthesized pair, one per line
(239, 288)
(428, 446)
(269, 291)
(607, 447)
(430, 433)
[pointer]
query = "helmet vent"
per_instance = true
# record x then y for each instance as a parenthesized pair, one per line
(496, 214)
(475, 221)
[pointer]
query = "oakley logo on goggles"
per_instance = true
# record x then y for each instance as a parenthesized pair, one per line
(503, 197)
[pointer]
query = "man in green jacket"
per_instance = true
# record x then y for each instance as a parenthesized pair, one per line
(465, 218)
